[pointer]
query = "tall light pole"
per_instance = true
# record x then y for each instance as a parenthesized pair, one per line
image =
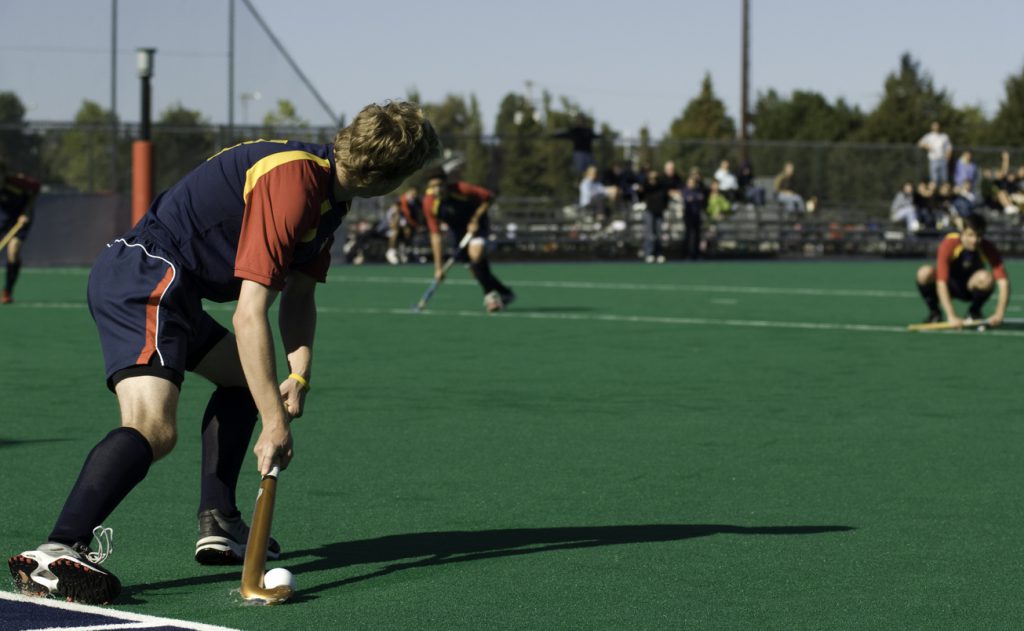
(745, 85)
(142, 148)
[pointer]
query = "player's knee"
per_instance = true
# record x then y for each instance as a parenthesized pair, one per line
(981, 281)
(925, 275)
(161, 436)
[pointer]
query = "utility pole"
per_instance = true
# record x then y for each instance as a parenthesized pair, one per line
(745, 86)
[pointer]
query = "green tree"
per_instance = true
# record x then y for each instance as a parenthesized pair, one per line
(460, 127)
(20, 149)
(283, 121)
(703, 118)
(519, 133)
(909, 104)
(803, 116)
(1007, 127)
(82, 157)
(181, 140)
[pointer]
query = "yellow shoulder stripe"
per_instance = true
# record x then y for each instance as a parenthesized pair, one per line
(274, 160)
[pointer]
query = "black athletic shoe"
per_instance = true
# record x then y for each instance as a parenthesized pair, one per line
(975, 316)
(70, 573)
(508, 297)
(934, 316)
(222, 540)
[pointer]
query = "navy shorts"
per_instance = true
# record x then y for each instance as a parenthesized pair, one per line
(7, 221)
(147, 312)
(457, 229)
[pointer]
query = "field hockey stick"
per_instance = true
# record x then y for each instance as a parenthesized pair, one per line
(255, 563)
(428, 294)
(10, 234)
(947, 326)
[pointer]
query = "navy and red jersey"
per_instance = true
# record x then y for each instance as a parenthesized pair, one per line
(457, 202)
(953, 259)
(255, 211)
(17, 193)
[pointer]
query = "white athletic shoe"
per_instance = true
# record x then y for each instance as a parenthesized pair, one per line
(72, 573)
(649, 259)
(493, 302)
(392, 256)
(660, 259)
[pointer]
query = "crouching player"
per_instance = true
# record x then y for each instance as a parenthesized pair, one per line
(463, 207)
(962, 271)
(251, 223)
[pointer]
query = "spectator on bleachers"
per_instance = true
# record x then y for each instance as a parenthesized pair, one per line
(654, 193)
(675, 186)
(728, 185)
(942, 205)
(1004, 186)
(718, 203)
(593, 196)
(785, 190)
(695, 203)
(965, 202)
(939, 149)
(903, 208)
(751, 192)
(965, 171)
(924, 201)
(582, 136)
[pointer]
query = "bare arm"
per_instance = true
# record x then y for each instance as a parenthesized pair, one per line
(256, 351)
(474, 222)
(297, 322)
(1002, 302)
(947, 303)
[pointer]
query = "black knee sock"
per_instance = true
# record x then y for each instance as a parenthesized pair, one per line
(227, 429)
(930, 295)
(114, 467)
(482, 271)
(12, 274)
(978, 299)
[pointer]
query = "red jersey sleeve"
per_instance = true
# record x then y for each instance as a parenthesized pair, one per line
(403, 206)
(480, 193)
(994, 258)
(944, 256)
(282, 206)
(431, 207)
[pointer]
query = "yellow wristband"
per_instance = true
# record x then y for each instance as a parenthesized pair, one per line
(301, 380)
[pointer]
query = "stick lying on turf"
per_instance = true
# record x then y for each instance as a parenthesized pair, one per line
(10, 234)
(256, 548)
(447, 266)
(946, 326)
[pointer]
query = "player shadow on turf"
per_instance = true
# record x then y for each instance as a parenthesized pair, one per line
(31, 441)
(573, 309)
(418, 550)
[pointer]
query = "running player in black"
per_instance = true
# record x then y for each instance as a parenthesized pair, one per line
(17, 196)
(463, 208)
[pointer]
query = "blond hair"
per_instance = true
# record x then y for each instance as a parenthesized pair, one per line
(385, 142)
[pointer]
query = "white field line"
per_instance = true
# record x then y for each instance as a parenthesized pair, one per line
(527, 315)
(717, 289)
(131, 620)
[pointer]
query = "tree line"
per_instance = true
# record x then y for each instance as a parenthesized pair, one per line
(843, 153)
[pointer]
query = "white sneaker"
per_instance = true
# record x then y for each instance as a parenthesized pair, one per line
(72, 573)
(392, 256)
(661, 258)
(649, 259)
(493, 302)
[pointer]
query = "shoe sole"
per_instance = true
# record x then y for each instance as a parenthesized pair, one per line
(221, 551)
(75, 582)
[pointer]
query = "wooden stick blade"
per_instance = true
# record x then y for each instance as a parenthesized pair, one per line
(931, 326)
(254, 566)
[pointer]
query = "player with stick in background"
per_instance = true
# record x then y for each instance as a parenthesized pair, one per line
(463, 208)
(254, 221)
(17, 196)
(961, 272)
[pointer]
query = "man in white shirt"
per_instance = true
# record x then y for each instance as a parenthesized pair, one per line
(939, 149)
(727, 182)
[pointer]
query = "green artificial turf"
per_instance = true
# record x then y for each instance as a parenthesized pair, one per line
(713, 446)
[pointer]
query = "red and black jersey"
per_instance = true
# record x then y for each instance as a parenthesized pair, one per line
(456, 203)
(953, 259)
(255, 211)
(17, 194)
(411, 208)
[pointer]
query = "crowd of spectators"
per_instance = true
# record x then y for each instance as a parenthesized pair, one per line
(955, 190)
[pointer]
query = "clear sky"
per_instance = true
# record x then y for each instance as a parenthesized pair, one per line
(627, 63)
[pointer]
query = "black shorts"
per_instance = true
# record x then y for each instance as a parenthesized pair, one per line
(457, 229)
(8, 220)
(957, 285)
(149, 315)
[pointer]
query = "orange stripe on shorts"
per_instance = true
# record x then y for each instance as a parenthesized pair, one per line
(152, 311)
